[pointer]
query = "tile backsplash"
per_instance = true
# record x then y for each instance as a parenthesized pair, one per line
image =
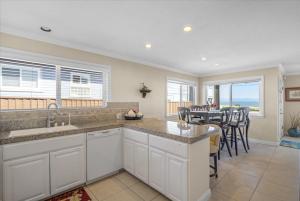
(16, 120)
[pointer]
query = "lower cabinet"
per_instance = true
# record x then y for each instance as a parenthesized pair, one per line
(136, 157)
(129, 155)
(27, 178)
(176, 178)
(67, 168)
(141, 161)
(168, 174)
(157, 169)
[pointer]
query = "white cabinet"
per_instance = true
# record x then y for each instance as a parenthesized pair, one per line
(176, 178)
(141, 161)
(27, 178)
(129, 156)
(157, 161)
(67, 168)
(34, 170)
(136, 153)
(168, 167)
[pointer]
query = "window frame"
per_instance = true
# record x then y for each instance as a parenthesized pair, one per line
(58, 62)
(180, 81)
(261, 112)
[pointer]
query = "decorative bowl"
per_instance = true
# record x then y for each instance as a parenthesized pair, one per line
(293, 132)
(133, 117)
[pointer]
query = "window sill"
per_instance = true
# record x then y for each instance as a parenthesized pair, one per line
(20, 89)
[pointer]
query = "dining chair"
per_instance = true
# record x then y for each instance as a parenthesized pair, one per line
(214, 150)
(184, 114)
(237, 121)
(223, 123)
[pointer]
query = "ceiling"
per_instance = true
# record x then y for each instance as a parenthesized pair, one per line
(237, 34)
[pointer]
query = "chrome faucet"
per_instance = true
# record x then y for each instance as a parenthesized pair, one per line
(51, 118)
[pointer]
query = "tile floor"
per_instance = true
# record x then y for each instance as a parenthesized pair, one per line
(266, 173)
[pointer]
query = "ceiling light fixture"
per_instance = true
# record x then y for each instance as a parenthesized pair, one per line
(46, 29)
(187, 29)
(216, 64)
(148, 45)
(203, 58)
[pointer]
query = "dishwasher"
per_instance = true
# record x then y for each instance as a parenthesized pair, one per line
(104, 153)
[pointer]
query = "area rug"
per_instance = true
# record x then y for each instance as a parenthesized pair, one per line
(290, 142)
(76, 195)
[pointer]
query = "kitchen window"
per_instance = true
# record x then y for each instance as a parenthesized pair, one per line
(180, 93)
(247, 92)
(27, 85)
(19, 77)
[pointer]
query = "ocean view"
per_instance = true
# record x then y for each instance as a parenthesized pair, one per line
(242, 102)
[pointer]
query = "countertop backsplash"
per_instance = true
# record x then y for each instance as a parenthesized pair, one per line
(16, 120)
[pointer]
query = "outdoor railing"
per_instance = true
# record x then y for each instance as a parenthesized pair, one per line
(172, 106)
(18, 103)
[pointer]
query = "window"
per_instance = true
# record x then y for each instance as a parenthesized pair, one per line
(238, 93)
(179, 94)
(26, 85)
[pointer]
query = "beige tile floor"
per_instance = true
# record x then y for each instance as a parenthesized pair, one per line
(266, 173)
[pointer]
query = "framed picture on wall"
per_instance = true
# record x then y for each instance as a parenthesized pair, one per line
(292, 94)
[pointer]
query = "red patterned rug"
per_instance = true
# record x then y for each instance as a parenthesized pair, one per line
(76, 195)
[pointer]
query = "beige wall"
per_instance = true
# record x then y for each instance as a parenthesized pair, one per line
(291, 107)
(126, 76)
(262, 128)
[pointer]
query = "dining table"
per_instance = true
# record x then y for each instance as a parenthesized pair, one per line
(206, 115)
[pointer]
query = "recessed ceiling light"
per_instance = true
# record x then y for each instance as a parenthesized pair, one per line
(148, 45)
(216, 64)
(187, 29)
(46, 29)
(203, 58)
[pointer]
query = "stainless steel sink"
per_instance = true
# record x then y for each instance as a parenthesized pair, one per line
(35, 131)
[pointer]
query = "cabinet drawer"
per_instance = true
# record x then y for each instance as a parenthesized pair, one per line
(21, 149)
(136, 136)
(171, 146)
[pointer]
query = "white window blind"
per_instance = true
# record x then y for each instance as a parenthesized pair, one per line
(27, 85)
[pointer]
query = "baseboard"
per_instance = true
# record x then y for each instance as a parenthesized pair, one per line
(205, 196)
(264, 142)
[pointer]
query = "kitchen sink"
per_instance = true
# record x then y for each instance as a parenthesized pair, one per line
(35, 131)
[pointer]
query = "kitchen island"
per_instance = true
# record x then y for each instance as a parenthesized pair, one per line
(172, 158)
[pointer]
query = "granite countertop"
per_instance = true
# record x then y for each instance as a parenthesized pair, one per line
(167, 129)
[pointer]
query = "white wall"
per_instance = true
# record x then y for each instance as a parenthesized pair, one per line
(126, 76)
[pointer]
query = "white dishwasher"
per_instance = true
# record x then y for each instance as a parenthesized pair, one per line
(104, 153)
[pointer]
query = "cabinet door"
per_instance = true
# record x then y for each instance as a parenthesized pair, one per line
(141, 161)
(176, 186)
(27, 178)
(129, 156)
(67, 168)
(157, 169)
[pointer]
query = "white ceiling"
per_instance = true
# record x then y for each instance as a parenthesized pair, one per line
(238, 35)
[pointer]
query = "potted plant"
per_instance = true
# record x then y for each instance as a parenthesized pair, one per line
(294, 130)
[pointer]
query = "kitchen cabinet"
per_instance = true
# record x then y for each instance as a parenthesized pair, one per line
(176, 178)
(136, 153)
(67, 168)
(129, 155)
(141, 161)
(27, 178)
(37, 169)
(157, 161)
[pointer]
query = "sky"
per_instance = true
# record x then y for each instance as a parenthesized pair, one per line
(240, 91)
